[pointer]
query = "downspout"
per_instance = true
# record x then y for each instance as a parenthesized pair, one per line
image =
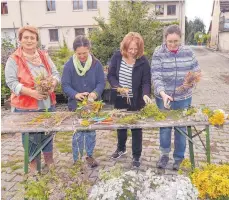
(21, 13)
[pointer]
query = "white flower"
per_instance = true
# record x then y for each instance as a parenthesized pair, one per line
(147, 186)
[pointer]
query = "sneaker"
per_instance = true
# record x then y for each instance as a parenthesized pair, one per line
(91, 162)
(136, 163)
(117, 154)
(162, 162)
(176, 165)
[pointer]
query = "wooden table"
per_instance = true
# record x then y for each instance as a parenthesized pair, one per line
(68, 121)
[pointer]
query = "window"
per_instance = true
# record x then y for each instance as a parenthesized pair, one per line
(51, 5)
(223, 24)
(77, 5)
(4, 8)
(91, 29)
(92, 4)
(53, 35)
(226, 24)
(79, 31)
(159, 9)
(171, 10)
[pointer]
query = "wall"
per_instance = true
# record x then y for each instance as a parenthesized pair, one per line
(215, 24)
(224, 41)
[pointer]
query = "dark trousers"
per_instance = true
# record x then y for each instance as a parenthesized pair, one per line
(121, 103)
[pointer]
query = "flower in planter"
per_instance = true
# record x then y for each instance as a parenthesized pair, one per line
(144, 186)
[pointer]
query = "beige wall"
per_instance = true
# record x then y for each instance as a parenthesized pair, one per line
(224, 41)
(13, 15)
(64, 14)
(180, 13)
(65, 19)
(215, 24)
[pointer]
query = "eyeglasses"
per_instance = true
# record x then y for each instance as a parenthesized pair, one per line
(176, 42)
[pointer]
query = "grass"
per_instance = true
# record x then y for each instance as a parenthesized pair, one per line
(64, 147)
(13, 164)
(63, 141)
(98, 153)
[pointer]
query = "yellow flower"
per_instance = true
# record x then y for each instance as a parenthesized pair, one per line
(217, 118)
(212, 181)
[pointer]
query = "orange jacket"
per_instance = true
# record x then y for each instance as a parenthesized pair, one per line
(25, 77)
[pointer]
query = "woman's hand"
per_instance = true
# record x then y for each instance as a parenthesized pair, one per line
(92, 96)
(81, 96)
(166, 99)
(37, 95)
(123, 91)
(147, 100)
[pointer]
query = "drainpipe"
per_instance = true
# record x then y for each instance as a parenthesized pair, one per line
(21, 13)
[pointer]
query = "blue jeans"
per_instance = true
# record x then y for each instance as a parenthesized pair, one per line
(33, 136)
(165, 133)
(78, 140)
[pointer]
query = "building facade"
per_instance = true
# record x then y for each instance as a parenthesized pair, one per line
(219, 28)
(60, 21)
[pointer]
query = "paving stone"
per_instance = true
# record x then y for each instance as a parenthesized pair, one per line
(18, 178)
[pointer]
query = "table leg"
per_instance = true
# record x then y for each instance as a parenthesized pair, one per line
(191, 152)
(208, 153)
(39, 155)
(26, 153)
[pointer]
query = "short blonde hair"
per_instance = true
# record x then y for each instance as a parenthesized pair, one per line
(29, 28)
(137, 38)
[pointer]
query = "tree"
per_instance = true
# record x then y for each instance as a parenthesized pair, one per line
(126, 16)
(192, 27)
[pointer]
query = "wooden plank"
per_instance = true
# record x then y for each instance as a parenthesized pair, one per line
(23, 122)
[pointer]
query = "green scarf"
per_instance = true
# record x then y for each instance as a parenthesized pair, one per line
(81, 71)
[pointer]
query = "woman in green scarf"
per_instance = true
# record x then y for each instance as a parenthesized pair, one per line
(83, 77)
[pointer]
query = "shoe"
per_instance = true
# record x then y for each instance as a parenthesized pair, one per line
(162, 162)
(136, 163)
(176, 164)
(117, 154)
(91, 162)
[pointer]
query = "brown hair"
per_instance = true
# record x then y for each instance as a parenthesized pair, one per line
(172, 29)
(81, 41)
(137, 38)
(29, 28)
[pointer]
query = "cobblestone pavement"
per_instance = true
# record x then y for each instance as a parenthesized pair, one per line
(212, 91)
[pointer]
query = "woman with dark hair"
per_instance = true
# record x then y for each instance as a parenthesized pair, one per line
(171, 65)
(83, 77)
(22, 68)
(129, 74)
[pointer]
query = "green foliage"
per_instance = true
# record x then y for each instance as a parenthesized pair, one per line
(129, 119)
(114, 172)
(38, 189)
(126, 16)
(7, 48)
(191, 28)
(199, 37)
(76, 191)
(60, 58)
(53, 184)
(4, 88)
(151, 110)
(206, 38)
